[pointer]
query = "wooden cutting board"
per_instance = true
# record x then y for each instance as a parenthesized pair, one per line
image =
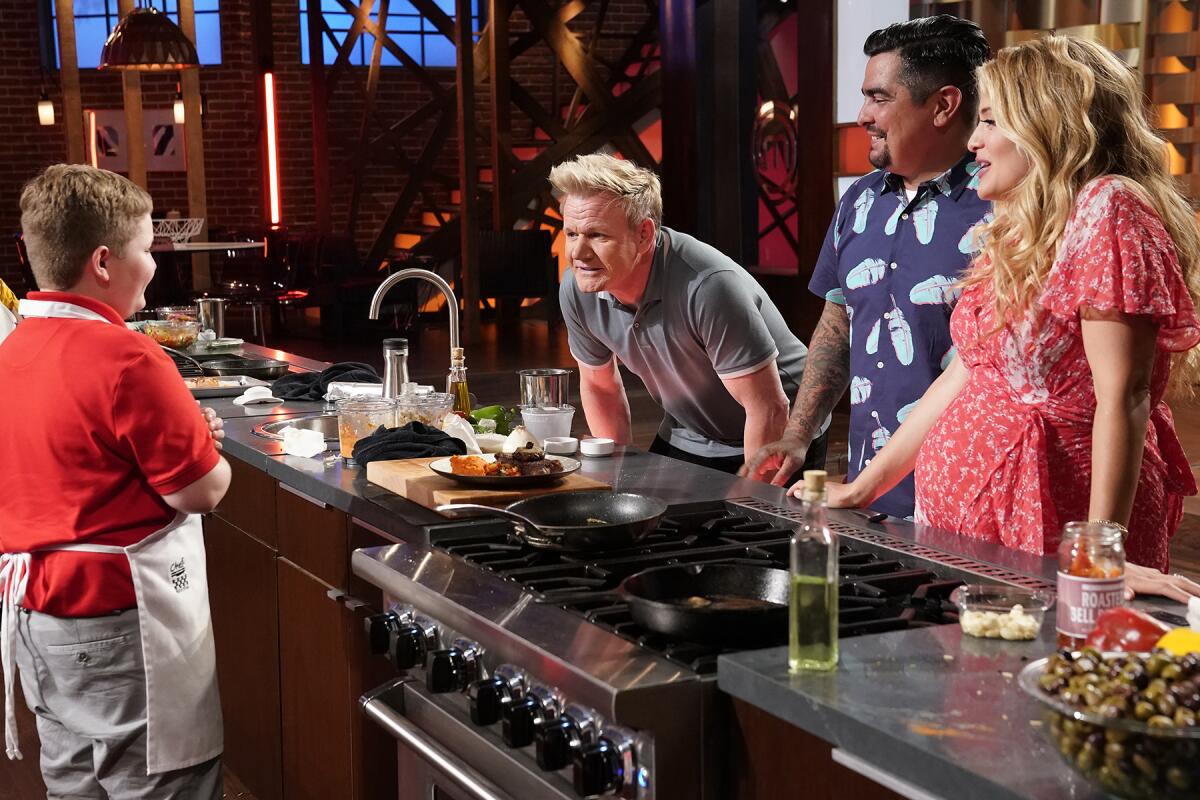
(411, 478)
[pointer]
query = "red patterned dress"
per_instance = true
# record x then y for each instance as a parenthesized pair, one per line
(1010, 459)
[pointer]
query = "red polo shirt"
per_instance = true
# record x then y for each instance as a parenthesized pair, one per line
(95, 426)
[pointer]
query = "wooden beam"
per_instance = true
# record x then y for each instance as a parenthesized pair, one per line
(467, 174)
(501, 117)
(193, 139)
(416, 178)
(131, 88)
(680, 118)
(68, 70)
(364, 129)
(320, 117)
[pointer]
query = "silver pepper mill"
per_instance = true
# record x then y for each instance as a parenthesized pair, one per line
(395, 366)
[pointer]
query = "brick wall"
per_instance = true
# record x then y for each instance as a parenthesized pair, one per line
(232, 128)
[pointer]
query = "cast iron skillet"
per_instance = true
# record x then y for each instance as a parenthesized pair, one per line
(732, 605)
(577, 520)
(261, 368)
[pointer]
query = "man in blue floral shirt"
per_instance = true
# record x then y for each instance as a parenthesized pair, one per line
(899, 241)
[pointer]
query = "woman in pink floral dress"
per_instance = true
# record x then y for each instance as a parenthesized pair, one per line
(1077, 315)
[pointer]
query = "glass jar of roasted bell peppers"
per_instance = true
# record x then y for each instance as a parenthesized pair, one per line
(1091, 578)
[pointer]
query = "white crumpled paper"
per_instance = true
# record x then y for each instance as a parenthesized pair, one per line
(459, 428)
(302, 442)
(256, 395)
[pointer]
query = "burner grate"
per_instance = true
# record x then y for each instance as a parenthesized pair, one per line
(878, 593)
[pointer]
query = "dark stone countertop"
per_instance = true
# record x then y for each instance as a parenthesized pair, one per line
(937, 709)
(931, 706)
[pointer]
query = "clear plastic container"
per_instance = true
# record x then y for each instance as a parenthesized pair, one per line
(986, 610)
(427, 408)
(359, 418)
(544, 421)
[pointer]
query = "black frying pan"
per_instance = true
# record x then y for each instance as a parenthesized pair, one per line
(732, 605)
(261, 368)
(577, 520)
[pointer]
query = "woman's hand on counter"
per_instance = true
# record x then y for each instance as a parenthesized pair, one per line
(837, 495)
(1146, 580)
(215, 425)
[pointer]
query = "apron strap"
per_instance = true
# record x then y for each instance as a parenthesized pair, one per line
(14, 575)
(85, 548)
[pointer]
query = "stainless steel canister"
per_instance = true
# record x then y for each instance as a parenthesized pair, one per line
(212, 315)
(545, 387)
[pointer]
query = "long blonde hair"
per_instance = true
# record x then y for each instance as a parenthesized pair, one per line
(1077, 113)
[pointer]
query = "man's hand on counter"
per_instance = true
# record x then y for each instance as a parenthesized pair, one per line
(776, 462)
(215, 425)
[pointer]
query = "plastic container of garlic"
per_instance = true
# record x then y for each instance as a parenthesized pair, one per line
(991, 611)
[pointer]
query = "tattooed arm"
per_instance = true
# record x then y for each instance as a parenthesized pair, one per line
(826, 376)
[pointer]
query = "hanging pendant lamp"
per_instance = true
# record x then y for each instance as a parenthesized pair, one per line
(147, 40)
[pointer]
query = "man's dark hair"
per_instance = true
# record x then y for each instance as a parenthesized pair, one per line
(935, 52)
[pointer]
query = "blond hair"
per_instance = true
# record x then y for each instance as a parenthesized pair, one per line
(637, 189)
(70, 210)
(1077, 113)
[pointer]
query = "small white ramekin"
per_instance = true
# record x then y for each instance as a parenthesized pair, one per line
(561, 445)
(596, 447)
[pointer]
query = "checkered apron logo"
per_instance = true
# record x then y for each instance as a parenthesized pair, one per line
(179, 578)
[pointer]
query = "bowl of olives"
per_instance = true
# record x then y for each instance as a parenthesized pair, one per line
(1127, 721)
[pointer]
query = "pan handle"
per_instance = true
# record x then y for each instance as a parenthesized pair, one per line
(184, 356)
(453, 510)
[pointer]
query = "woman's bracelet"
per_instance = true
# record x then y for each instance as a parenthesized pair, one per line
(1124, 531)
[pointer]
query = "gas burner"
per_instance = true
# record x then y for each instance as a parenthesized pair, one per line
(877, 593)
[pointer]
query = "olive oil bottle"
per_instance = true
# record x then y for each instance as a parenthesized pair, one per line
(813, 621)
(456, 382)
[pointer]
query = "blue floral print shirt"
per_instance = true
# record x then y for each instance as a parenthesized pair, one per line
(894, 264)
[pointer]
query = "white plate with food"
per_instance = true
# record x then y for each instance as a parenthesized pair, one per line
(500, 471)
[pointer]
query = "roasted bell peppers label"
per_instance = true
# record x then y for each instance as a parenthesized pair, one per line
(1081, 599)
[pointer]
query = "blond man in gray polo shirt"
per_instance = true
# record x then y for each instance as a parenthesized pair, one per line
(699, 331)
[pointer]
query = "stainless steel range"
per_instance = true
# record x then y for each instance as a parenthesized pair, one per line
(522, 675)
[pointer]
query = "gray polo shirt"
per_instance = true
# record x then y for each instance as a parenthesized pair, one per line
(702, 318)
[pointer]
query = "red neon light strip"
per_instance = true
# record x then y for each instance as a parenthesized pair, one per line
(93, 156)
(272, 148)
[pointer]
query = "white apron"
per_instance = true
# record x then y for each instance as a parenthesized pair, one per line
(183, 709)
(170, 579)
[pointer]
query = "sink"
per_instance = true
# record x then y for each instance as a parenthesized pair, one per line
(326, 424)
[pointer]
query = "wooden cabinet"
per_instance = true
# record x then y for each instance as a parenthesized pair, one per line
(292, 659)
(243, 595)
(314, 687)
(773, 759)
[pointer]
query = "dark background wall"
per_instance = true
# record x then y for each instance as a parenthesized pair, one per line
(233, 132)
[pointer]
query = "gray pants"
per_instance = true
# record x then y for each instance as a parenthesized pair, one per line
(84, 680)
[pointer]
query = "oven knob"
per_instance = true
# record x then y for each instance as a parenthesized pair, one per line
(488, 698)
(597, 769)
(379, 628)
(408, 646)
(519, 719)
(446, 670)
(555, 739)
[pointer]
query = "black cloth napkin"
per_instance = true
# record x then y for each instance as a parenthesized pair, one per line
(414, 440)
(313, 385)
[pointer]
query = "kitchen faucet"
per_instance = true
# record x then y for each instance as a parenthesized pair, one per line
(424, 274)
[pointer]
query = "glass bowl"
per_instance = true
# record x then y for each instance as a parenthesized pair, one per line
(172, 333)
(426, 408)
(179, 313)
(1125, 757)
(984, 610)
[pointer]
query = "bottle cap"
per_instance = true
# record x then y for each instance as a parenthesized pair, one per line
(456, 356)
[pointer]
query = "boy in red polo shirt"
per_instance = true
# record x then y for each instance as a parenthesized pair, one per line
(108, 462)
